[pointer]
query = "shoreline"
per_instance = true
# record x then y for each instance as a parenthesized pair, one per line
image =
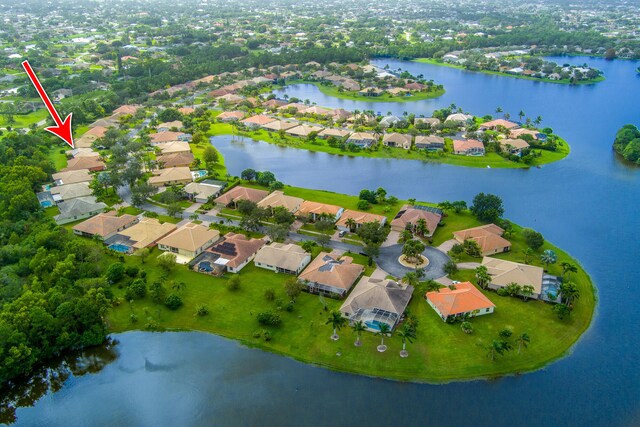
(515, 76)
(355, 96)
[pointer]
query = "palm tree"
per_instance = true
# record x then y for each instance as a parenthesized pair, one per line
(407, 333)
(523, 341)
(384, 330)
(497, 347)
(569, 293)
(337, 321)
(538, 120)
(411, 278)
(412, 202)
(528, 254)
(483, 277)
(568, 267)
(179, 286)
(421, 227)
(406, 235)
(498, 110)
(521, 114)
(358, 328)
(549, 257)
(351, 223)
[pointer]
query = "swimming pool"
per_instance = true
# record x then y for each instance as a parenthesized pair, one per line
(198, 174)
(373, 324)
(120, 248)
(46, 203)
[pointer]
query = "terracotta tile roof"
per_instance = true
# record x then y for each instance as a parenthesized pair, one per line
(230, 115)
(466, 144)
(105, 224)
(464, 299)
(359, 217)
(165, 136)
(98, 131)
(161, 176)
(303, 130)
(518, 144)
(277, 125)
(190, 237)
(499, 122)
(91, 163)
(126, 109)
(174, 147)
(516, 133)
(241, 193)
(259, 120)
(489, 237)
(328, 269)
(308, 207)
(411, 215)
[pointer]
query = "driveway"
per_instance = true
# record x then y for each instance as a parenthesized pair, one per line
(388, 261)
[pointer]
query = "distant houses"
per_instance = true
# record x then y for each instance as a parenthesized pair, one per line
(105, 225)
(78, 208)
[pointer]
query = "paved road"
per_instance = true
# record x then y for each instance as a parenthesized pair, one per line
(388, 261)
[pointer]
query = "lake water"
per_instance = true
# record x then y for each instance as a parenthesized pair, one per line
(586, 204)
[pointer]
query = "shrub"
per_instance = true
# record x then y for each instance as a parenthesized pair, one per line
(173, 302)
(466, 327)
(137, 289)
(270, 294)
(267, 336)
(133, 318)
(233, 284)
(268, 318)
(202, 310)
(115, 272)
(132, 271)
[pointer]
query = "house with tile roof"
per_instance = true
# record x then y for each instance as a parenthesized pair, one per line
(282, 258)
(174, 160)
(188, 241)
(513, 146)
(104, 225)
(409, 216)
(93, 164)
(279, 199)
(257, 121)
(395, 139)
(171, 176)
(494, 124)
(375, 301)
(359, 218)
(468, 147)
(230, 116)
(145, 233)
(72, 177)
(230, 254)
(66, 192)
(503, 273)
(236, 194)
(330, 275)
(429, 142)
(314, 210)
(171, 147)
(202, 192)
(165, 136)
(461, 299)
(488, 237)
(278, 125)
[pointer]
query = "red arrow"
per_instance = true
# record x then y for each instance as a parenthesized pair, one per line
(62, 129)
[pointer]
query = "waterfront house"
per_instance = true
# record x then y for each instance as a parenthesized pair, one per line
(175, 160)
(314, 210)
(359, 219)
(408, 217)
(513, 146)
(230, 116)
(259, 120)
(303, 130)
(172, 147)
(460, 300)
(236, 194)
(279, 125)
(495, 124)
(429, 142)
(376, 301)
(279, 199)
(166, 136)
(201, 192)
(488, 237)
(231, 254)
(398, 140)
(468, 147)
(282, 258)
(362, 139)
(330, 275)
(333, 132)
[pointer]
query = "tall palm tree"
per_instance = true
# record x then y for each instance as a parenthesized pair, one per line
(407, 333)
(568, 267)
(384, 330)
(406, 235)
(521, 114)
(358, 328)
(483, 277)
(523, 341)
(421, 227)
(337, 321)
(538, 120)
(498, 110)
(549, 257)
(351, 223)
(569, 292)
(528, 254)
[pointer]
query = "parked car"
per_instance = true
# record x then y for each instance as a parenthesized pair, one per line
(342, 233)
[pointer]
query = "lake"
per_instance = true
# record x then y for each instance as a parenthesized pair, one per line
(587, 204)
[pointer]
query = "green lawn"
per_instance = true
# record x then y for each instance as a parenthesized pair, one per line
(492, 160)
(515, 76)
(58, 157)
(24, 120)
(441, 353)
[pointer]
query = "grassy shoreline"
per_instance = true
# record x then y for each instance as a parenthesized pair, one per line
(498, 73)
(492, 160)
(355, 96)
(442, 352)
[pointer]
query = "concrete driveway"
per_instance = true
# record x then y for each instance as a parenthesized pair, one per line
(388, 261)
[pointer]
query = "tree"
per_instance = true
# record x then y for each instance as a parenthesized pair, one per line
(233, 284)
(383, 330)
(412, 249)
(466, 327)
(210, 155)
(421, 227)
(482, 276)
(292, 287)
(337, 321)
(407, 333)
(533, 239)
(497, 347)
(166, 261)
(277, 232)
(548, 257)
(568, 267)
(351, 224)
(523, 341)
(459, 205)
(323, 239)
(248, 174)
(358, 327)
(173, 302)
(265, 178)
(569, 292)
(487, 207)
(371, 250)
(561, 310)
(372, 232)
(450, 268)
(411, 278)
(144, 254)
(174, 209)
(115, 272)
(527, 291)
(528, 254)
(405, 235)
(157, 292)
(472, 248)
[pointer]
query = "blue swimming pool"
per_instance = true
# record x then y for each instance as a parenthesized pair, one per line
(46, 203)
(120, 248)
(199, 174)
(373, 324)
